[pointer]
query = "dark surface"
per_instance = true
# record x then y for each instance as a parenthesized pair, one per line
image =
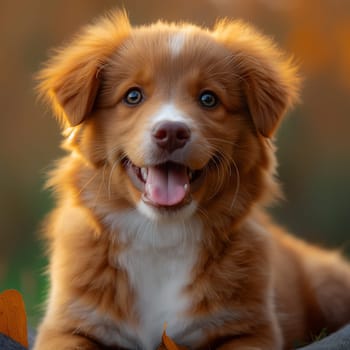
(8, 344)
(337, 341)
(31, 338)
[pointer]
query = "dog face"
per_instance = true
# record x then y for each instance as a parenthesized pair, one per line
(168, 95)
(180, 114)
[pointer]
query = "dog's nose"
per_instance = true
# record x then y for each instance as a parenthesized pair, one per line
(171, 135)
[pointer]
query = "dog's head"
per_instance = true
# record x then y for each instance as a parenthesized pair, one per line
(182, 115)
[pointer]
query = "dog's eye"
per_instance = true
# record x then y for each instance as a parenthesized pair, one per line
(208, 99)
(133, 97)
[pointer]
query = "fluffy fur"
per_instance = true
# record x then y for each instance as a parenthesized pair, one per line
(210, 264)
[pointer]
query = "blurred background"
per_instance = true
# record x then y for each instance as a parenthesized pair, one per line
(313, 143)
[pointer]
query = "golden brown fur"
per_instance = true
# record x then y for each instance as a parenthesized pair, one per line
(251, 286)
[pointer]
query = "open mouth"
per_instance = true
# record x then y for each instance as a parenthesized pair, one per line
(164, 185)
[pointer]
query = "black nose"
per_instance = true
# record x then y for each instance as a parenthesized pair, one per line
(171, 135)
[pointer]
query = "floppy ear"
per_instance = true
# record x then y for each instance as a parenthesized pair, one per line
(269, 80)
(70, 82)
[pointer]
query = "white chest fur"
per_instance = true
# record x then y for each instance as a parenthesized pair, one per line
(159, 263)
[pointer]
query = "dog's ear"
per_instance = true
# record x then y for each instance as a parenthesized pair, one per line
(269, 80)
(70, 81)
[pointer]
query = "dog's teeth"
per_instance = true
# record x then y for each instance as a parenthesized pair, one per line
(190, 174)
(144, 173)
(186, 187)
(148, 188)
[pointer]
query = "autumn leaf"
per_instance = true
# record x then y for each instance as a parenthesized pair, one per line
(168, 343)
(13, 320)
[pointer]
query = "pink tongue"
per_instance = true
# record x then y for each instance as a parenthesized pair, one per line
(165, 184)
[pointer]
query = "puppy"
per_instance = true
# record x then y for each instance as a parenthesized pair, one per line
(159, 216)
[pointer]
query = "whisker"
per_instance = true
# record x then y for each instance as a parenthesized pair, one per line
(232, 143)
(95, 201)
(218, 184)
(87, 183)
(104, 175)
(113, 151)
(222, 161)
(203, 212)
(110, 178)
(235, 196)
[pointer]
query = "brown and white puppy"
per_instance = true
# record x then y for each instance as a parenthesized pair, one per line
(159, 215)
